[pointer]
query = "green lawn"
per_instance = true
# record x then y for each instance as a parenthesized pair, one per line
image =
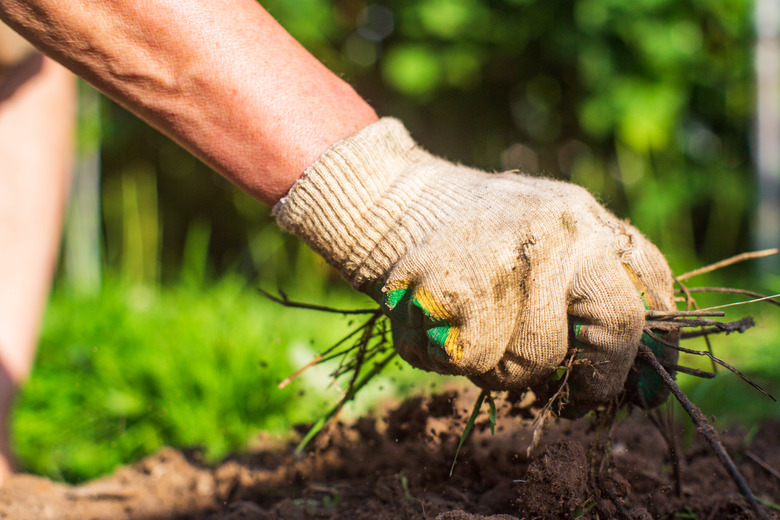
(121, 373)
(756, 353)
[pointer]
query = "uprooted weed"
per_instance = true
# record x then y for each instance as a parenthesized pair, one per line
(367, 350)
(361, 355)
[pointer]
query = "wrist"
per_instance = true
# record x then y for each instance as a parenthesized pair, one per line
(347, 203)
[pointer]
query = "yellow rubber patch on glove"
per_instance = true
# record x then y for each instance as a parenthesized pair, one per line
(418, 307)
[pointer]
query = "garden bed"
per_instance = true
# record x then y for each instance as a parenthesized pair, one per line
(397, 466)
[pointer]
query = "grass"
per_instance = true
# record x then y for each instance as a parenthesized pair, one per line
(196, 364)
(124, 372)
(755, 353)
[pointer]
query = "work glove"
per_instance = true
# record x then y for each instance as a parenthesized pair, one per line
(496, 277)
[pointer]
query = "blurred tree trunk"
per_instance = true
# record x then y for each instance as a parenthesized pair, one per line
(767, 139)
(82, 250)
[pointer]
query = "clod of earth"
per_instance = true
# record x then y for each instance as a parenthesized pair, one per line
(372, 352)
(397, 467)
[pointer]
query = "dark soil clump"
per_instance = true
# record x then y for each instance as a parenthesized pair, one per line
(397, 468)
(557, 482)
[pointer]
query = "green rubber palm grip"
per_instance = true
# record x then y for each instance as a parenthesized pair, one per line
(429, 325)
(644, 385)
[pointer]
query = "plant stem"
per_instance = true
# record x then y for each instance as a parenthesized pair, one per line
(726, 262)
(704, 428)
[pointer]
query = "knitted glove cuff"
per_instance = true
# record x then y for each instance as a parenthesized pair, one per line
(355, 195)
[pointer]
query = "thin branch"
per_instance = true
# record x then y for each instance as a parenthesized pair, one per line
(360, 357)
(703, 427)
(691, 302)
(364, 352)
(728, 261)
(731, 290)
(367, 348)
(650, 315)
(733, 326)
(710, 350)
(328, 354)
(713, 358)
(376, 369)
(541, 419)
(690, 371)
(282, 299)
(769, 469)
(292, 377)
(764, 298)
(704, 331)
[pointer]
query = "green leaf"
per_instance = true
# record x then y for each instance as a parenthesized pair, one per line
(492, 414)
(558, 374)
(768, 503)
(469, 425)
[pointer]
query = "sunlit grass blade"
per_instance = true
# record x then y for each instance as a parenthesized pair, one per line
(470, 425)
(317, 427)
(731, 290)
(768, 503)
(492, 414)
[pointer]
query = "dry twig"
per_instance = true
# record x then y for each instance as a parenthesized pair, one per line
(657, 315)
(732, 290)
(284, 300)
(769, 469)
(541, 420)
(734, 326)
(712, 357)
(363, 359)
(691, 302)
(704, 428)
(770, 298)
(728, 261)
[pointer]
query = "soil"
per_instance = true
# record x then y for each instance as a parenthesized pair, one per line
(397, 467)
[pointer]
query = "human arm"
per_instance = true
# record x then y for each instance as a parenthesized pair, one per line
(222, 78)
(499, 277)
(494, 277)
(14, 50)
(37, 112)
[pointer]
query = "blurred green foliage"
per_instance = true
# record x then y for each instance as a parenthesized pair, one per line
(123, 372)
(648, 103)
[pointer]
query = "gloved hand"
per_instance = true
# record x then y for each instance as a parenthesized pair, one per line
(491, 276)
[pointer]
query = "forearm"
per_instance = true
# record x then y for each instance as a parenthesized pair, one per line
(220, 77)
(37, 109)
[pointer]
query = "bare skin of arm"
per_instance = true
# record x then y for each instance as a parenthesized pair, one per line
(220, 77)
(37, 110)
